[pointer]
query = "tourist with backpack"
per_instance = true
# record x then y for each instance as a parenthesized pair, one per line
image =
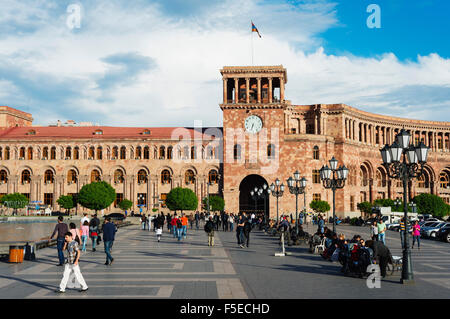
(209, 229)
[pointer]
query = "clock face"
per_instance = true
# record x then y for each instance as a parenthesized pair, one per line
(253, 124)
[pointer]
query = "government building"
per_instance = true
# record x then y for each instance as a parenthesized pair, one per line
(264, 137)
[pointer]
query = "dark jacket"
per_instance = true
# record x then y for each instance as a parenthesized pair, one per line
(109, 231)
(380, 250)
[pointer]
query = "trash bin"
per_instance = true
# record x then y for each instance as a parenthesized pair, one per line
(16, 254)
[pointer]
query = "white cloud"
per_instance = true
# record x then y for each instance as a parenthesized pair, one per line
(188, 52)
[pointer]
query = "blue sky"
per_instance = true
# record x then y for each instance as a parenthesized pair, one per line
(158, 61)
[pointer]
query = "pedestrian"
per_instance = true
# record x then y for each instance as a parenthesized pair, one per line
(93, 232)
(216, 221)
(173, 222)
(76, 234)
(84, 234)
(209, 229)
(143, 221)
(381, 231)
(320, 224)
(191, 221)
(374, 231)
(197, 219)
(85, 218)
(184, 224)
(109, 231)
(381, 253)
(231, 220)
(225, 219)
(402, 231)
(72, 265)
(246, 230)
(62, 229)
(240, 230)
(416, 234)
(159, 223)
(169, 223)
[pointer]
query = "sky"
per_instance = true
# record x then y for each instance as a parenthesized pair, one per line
(156, 63)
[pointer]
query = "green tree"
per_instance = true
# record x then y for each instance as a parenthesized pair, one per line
(67, 202)
(365, 207)
(181, 199)
(319, 206)
(431, 204)
(216, 203)
(125, 204)
(96, 195)
(14, 201)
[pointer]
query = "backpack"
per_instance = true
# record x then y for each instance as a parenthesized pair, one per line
(179, 224)
(208, 227)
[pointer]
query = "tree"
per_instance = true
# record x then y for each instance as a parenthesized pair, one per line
(125, 204)
(216, 203)
(431, 204)
(67, 202)
(365, 207)
(14, 201)
(96, 195)
(319, 206)
(181, 199)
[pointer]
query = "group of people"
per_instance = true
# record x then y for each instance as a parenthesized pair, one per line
(70, 238)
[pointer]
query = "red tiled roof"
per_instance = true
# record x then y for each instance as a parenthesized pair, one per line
(88, 132)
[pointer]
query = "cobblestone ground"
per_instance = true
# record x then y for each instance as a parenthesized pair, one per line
(144, 268)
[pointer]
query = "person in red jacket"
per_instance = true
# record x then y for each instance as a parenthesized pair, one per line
(173, 222)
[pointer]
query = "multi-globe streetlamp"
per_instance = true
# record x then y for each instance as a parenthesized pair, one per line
(297, 186)
(333, 178)
(262, 192)
(405, 161)
(277, 190)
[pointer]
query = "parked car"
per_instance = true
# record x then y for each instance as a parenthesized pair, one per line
(431, 230)
(444, 233)
(433, 220)
(116, 216)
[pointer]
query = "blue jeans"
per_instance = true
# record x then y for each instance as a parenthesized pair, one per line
(184, 229)
(83, 241)
(60, 246)
(381, 238)
(108, 245)
(179, 232)
(231, 226)
(94, 241)
(418, 240)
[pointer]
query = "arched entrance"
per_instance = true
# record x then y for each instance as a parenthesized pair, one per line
(246, 202)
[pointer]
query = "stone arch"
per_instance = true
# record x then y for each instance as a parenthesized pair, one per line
(116, 167)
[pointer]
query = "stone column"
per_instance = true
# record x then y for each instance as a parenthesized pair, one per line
(270, 90)
(225, 89)
(236, 90)
(247, 90)
(149, 193)
(259, 90)
(281, 89)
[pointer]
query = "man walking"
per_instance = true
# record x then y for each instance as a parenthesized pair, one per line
(246, 230)
(184, 224)
(225, 222)
(240, 230)
(62, 229)
(209, 229)
(73, 256)
(109, 231)
(197, 219)
(381, 231)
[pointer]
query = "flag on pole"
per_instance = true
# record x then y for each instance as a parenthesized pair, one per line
(254, 29)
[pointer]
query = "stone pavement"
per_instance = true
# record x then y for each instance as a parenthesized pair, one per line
(144, 268)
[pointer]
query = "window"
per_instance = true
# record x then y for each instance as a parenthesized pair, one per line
(138, 152)
(316, 197)
(26, 177)
(142, 177)
(76, 153)
(146, 132)
(71, 176)
(165, 177)
(118, 177)
(146, 152)
(316, 176)
(421, 181)
(53, 153)
(115, 153)
(68, 152)
(352, 203)
(99, 153)
(310, 129)
(189, 177)
(3, 176)
(123, 152)
(193, 152)
(170, 152)
(48, 199)
(185, 152)
(95, 176)
(31, 132)
(119, 198)
(162, 199)
(98, 132)
(7, 153)
(271, 151)
(237, 152)
(48, 177)
(30, 153)
(91, 152)
(162, 152)
(142, 199)
(316, 152)
(443, 180)
(22, 153)
(213, 177)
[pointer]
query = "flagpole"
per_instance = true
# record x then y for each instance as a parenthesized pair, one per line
(252, 44)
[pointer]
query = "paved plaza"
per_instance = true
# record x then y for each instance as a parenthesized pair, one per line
(144, 268)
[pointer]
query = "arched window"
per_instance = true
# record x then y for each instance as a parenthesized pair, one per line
(170, 152)
(123, 152)
(7, 153)
(364, 178)
(138, 152)
(443, 180)
(271, 151)
(118, 177)
(68, 152)
(95, 176)
(142, 177)
(71, 176)
(146, 152)
(45, 153)
(26, 177)
(22, 153)
(189, 177)
(162, 152)
(193, 152)
(213, 177)
(165, 177)
(76, 153)
(3, 176)
(53, 153)
(30, 153)
(421, 181)
(237, 152)
(48, 177)
(99, 153)
(316, 152)
(91, 153)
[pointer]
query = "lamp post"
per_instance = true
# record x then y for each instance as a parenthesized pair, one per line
(297, 186)
(333, 178)
(277, 190)
(406, 168)
(255, 195)
(264, 192)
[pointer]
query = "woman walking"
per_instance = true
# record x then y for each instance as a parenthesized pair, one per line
(374, 231)
(76, 235)
(416, 234)
(84, 234)
(93, 229)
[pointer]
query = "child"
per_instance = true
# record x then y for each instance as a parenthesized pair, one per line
(73, 256)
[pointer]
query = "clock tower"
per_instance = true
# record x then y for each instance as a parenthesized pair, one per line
(253, 108)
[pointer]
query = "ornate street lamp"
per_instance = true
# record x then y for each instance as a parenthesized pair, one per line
(333, 178)
(277, 190)
(406, 168)
(297, 186)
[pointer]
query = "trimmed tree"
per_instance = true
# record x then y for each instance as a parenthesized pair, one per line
(181, 199)
(319, 206)
(216, 203)
(431, 204)
(14, 201)
(365, 207)
(67, 202)
(125, 204)
(96, 195)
